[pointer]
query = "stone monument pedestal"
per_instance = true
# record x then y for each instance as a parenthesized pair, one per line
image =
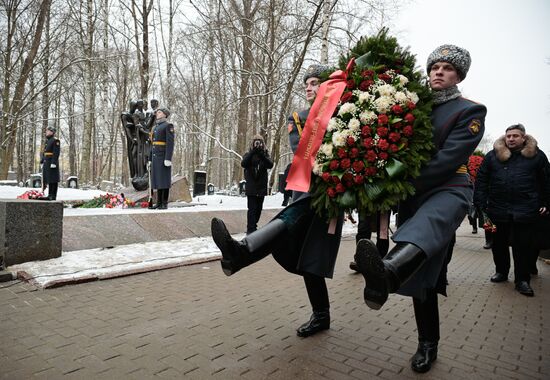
(30, 230)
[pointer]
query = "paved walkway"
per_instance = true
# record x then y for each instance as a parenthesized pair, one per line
(196, 323)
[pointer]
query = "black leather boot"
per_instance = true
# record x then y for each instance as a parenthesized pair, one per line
(254, 247)
(384, 276)
(52, 191)
(425, 355)
(159, 201)
(319, 321)
(165, 194)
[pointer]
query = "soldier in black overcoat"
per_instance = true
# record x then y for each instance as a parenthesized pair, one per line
(427, 221)
(50, 163)
(162, 149)
(301, 241)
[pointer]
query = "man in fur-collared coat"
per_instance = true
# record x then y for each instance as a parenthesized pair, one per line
(513, 188)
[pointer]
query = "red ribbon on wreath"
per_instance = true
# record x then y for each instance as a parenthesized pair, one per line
(326, 101)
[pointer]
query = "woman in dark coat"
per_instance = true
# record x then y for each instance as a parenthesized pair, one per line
(162, 141)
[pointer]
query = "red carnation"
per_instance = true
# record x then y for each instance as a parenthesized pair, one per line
(397, 125)
(408, 130)
(396, 108)
(385, 77)
(354, 153)
(367, 143)
(382, 131)
(335, 179)
(370, 156)
(347, 177)
(350, 83)
(365, 85)
(333, 165)
(350, 141)
(359, 179)
(340, 188)
(395, 137)
(409, 117)
(342, 153)
(411, 105)
(325, 176)
(383, 144)
(394, 148)
(331, 192)
(367, 74)
(382, 119)
(345, 163)
(346, 97)
(370, 171)
(365, 131)
(358, 166)
(383, 155)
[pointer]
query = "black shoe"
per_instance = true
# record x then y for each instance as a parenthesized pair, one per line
(163, 206)
(425, 355)
(474, 231)
(154, 207)
(524, 288)
(353, 266)
(499, 277)
(488, 245)
(384, 276)
(319, 321)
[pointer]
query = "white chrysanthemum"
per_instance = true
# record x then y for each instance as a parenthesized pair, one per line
(386, 90)
(383, 104)
(326, 149)
(317, 168)
(354, 125)
(367, 117)
(412, 97)
(401, 97)
(364, 97)
(347, 108)
(403, 80)
(339, 138)
(332, 124)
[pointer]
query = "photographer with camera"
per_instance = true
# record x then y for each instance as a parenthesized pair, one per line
(255, 163)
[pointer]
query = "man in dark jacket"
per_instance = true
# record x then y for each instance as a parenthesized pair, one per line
(50, 163)
(428, 220)
(255, 162)
(162, 141)
(513, 189)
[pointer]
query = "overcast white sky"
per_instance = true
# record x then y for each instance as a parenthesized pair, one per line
(509, 41)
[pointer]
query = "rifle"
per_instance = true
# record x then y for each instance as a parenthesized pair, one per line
(150, 201)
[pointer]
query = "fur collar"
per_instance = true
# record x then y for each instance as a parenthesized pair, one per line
(502, 152)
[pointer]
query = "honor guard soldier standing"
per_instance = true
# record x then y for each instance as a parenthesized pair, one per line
(50, 164)
(162, 149)
(428, 220)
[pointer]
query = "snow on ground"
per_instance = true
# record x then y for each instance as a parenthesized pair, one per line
(89, 264)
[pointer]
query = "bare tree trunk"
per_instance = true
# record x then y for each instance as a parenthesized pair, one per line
(9, 124)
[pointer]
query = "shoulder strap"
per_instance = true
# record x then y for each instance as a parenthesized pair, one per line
(297, 122)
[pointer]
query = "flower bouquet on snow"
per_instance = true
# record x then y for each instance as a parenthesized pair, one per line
(367, 133)
(31, 194)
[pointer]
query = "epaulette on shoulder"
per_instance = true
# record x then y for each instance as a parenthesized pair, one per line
(471, 101)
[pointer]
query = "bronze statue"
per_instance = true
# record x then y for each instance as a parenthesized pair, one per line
(137, 124)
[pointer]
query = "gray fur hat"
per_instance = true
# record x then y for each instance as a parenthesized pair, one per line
(164, 110)
(315, 71)
(456, 56)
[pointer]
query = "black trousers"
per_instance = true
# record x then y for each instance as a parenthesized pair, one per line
(522, 238)
(317, 292)
(369, 223)
(255, 205)
(426, 315)
(52, 190)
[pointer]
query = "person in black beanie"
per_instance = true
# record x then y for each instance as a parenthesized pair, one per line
(160, 159)
(427, 221)
(50, 163)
